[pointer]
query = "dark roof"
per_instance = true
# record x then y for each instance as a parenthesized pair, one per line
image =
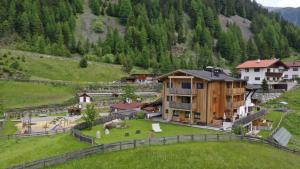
(249, 118)
(253, 87)
(126, 106)
(84, 95)
(206, 75)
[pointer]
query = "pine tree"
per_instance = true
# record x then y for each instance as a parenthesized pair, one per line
(125, 10)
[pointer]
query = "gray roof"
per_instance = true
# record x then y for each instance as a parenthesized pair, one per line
(249, 118)
(207, 75)
(282, 136)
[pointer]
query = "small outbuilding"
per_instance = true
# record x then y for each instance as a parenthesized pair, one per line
(85, 98)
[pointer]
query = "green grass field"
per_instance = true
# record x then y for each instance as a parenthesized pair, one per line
(19, 94)
(274, 116)
(29, 149)
(145, 127)
(9, 128)
(210, 155)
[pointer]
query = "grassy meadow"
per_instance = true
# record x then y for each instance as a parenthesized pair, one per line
(21, 94)
(145, 127)
(16, 151)
(209, 155)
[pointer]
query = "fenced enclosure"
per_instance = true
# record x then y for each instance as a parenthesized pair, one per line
(35, 134)
(132, 144)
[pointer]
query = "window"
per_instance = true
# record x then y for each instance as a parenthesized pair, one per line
(286, 76)
(247, 70)
(246, 77)
(169, 98)
(256, 70)
(187, 114)
(167, 111)
(257, 78)
(200, 86)
(185, 99)
(295, 76)
(197, 115)
(295, 69)
(168, 85)
(186, 85)
(175, 113)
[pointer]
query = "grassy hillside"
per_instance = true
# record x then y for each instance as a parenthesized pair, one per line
(19, 94)
(192, 156)
(29, 149)
(47, 67)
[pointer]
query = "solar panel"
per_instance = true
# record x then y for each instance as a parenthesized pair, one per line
(282, 136)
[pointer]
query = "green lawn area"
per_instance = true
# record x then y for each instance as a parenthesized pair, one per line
(9, 128)
(145, 126)
(21, 94)
(274, 116)
(292, 121)
(29, 149)
(225, 155)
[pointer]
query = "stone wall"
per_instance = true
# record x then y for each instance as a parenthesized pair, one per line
(265, 97)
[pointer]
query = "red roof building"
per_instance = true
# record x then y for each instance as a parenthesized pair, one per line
(126, 106)
(261, 64)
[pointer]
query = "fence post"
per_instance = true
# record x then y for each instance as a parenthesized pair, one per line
(177, 139)
(192, 137)
(134, 143)
(120, 145)
(205, 137)
(164, 140)
(218, 137)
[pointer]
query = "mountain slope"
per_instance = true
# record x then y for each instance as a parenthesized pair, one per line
(290, 14)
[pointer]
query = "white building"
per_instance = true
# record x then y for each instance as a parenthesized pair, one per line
(85, 98)
(293, 72)
(255, 71)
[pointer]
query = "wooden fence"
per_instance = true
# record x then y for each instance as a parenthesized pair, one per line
(35, 134)
(75, 131)
(132, 144)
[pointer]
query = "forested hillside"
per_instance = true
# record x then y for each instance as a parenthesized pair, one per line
(160, 34)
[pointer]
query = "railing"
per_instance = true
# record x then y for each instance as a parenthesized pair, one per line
(274, 74)
(235, 91)
(182, 91)
(181, 106)
(132, 144)
(34, 134)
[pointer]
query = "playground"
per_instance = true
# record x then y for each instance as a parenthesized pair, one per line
(46, 124)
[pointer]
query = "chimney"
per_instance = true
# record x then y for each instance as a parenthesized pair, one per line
(258, 61)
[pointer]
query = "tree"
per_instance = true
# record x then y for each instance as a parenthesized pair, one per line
(125, 10)
(83, 63)
(265, 86)
(129, 92)
(90, 115)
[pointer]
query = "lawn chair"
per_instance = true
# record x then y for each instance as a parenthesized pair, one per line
(156, 128)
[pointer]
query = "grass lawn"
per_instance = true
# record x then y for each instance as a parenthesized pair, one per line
(225, 155)
(292, 124)
(47, 67)
(35, 148)
(9, 128)
(145, 127)
(21, 94)
(274, 116)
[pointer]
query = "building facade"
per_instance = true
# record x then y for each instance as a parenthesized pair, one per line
(255, 71)
(201, 97)
(293, 71)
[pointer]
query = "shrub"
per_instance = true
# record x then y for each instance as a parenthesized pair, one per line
(15, 65)
(83, 63)
(97, 25)
(140, 115)
(240, 130)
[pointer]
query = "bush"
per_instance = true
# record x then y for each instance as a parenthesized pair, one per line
(97, 26)
(15, 65)
(140, 115)
(83, 63)
(240, 130)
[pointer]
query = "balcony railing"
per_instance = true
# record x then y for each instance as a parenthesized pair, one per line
(180, 106)
(235, 104)
(274, 74)
(181, 91)
(235, 91)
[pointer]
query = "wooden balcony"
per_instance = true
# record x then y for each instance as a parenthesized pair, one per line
(235, 104)
(274, 74)
(235, 91)
(180, 106)
(180, 91)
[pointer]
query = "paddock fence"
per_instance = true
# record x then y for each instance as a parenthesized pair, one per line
(132, 144)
